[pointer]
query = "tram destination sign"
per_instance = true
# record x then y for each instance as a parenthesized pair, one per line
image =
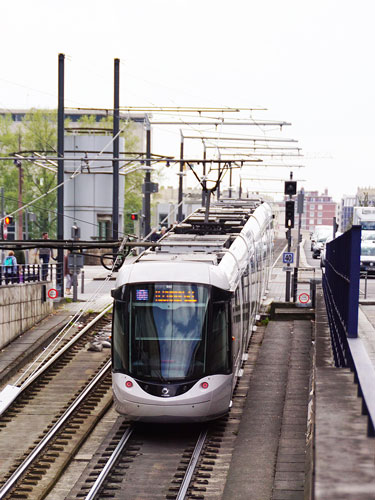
(165, 295)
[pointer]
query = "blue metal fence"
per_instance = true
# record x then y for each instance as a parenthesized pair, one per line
(341, 293)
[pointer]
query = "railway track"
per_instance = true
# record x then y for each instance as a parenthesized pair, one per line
(149, 461)
(54, 413)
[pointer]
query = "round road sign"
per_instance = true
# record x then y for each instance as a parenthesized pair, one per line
(304, 298)
(52, 293)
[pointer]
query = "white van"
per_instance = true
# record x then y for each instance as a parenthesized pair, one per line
(368, 256)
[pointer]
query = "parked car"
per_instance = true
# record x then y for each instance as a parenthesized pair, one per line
(320, 232)
(318, 246)
(323, 251)
(368, 256)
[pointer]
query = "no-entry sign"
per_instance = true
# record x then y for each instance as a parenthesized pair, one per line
(304, 298)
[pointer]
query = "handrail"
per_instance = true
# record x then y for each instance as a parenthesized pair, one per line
(341, 292)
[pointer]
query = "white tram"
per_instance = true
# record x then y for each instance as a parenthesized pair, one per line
(184, 313)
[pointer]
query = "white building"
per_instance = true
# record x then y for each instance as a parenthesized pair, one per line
(88, 196)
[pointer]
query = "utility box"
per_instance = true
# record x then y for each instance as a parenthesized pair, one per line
(79, 261)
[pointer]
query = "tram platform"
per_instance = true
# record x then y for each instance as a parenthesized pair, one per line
(95, 298)
(302, 434)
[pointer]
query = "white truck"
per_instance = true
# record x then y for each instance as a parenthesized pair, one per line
(364, 217)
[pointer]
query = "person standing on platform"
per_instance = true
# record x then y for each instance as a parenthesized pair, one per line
(10, 268)
(67, 275)
(44, 256)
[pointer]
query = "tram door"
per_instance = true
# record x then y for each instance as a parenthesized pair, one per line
(237, 328)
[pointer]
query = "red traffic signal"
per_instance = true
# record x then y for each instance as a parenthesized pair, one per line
(134, 216)
(289, 214)
(8, 220)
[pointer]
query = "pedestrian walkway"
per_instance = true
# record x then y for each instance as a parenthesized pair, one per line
(366, 330)
(269, 459)
(97, 290)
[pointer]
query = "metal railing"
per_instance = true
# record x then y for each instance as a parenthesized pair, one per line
(364, 276)
(28, 273)
(341, 292)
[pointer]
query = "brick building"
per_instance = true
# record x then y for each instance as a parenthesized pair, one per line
(319, 210)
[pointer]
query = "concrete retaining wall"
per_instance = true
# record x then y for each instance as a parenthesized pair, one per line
(21, 306)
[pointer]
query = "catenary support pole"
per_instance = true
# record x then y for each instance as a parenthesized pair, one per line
(204, 190)
(116, 143)
(20, 181)
(60, 177)
(147, 183)
(180, 180)
(300, 208)
(288, 272)
(230, 180)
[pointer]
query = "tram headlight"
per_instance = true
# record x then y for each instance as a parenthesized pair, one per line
(129, 384)
(204, 385)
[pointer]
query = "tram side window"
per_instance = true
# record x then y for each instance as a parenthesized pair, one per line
(119, 338)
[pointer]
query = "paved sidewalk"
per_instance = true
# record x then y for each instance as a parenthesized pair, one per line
(268, 461)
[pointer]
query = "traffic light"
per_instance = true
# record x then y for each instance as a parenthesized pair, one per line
(8, 219)
(290, 187)
(289, 214)
(134, 216)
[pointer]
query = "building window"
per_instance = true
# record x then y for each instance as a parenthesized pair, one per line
(312, 206)
(319, 221)
(161, 219)
(104, 227)
(320, 214)
(311, 221)
(320, 207)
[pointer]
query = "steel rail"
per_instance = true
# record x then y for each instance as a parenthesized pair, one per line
(192, 464)
(43, 368)
(11, 482)
(108, 466)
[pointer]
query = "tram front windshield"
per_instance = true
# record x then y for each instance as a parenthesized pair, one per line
(160, 332)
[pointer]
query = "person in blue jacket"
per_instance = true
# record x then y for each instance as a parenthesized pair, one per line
(10, 268)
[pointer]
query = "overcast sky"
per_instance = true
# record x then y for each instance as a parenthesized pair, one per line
(308, 63)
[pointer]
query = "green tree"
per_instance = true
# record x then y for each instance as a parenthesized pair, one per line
(36, 132)
(40, 136)
(8, 172)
